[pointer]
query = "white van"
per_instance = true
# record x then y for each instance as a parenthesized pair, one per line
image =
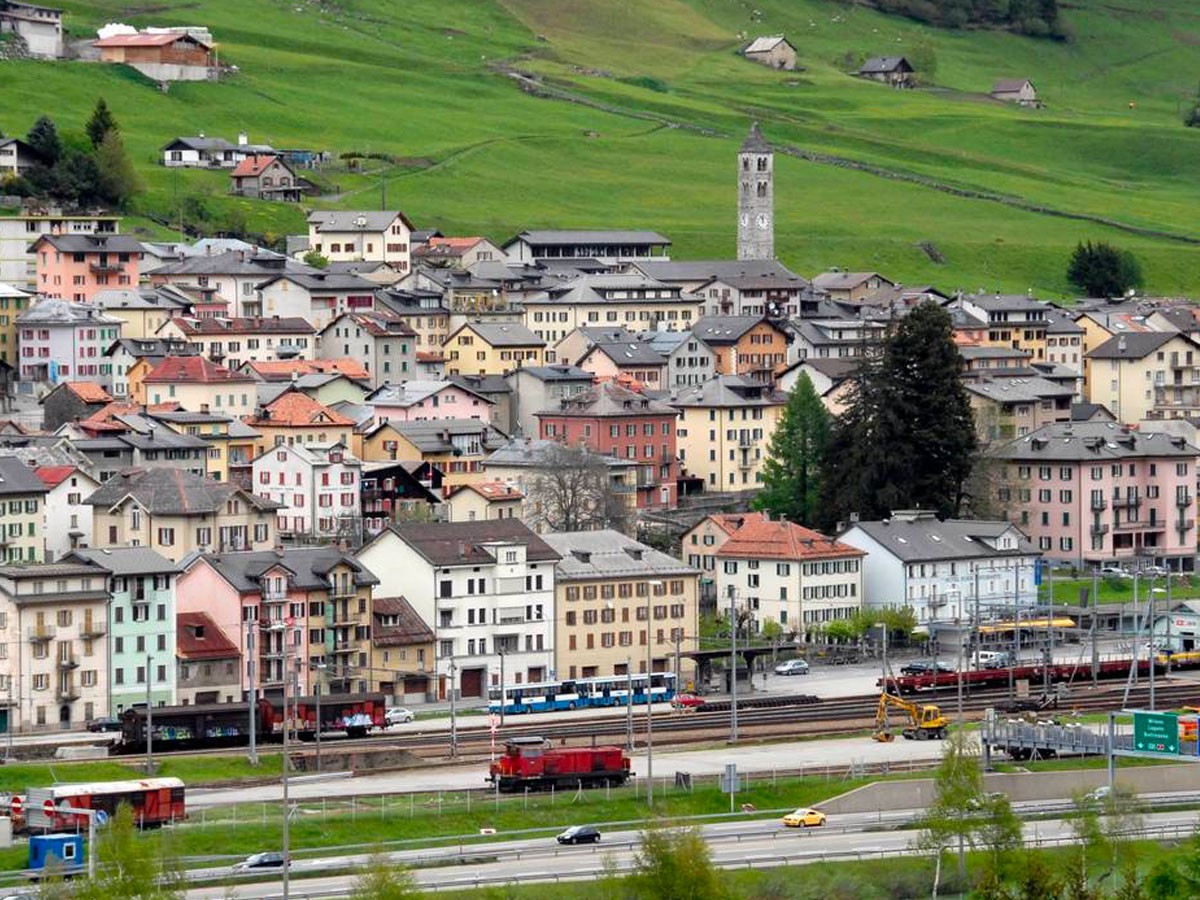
(994, 659)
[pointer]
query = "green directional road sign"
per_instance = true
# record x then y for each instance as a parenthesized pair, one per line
(1156, 732)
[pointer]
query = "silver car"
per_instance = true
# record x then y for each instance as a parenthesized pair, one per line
(397, 715)
(792, 667)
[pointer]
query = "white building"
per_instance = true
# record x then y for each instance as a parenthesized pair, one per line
(65, 341)
(486, 589)
(348, 236)
(784, 572)
(318, 485)
(946, 571)
(68, 519)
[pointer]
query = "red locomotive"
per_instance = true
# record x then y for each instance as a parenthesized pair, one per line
(533, 763)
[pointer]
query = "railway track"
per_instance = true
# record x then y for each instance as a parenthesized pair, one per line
(834, 717)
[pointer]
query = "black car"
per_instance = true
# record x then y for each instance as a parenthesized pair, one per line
(579, 834)
(270, 860)
(926, 667)
(104, 723)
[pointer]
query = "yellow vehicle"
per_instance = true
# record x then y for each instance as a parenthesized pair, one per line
(804, 818)
(925, 722)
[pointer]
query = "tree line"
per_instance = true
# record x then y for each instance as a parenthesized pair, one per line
(1037, 18)
(79, 169)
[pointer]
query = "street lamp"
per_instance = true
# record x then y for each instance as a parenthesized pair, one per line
(283, 628)
(318, 668)
(733, 712)
(652, 586)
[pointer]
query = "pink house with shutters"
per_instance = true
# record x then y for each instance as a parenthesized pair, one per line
(416, 401)
(76, 266)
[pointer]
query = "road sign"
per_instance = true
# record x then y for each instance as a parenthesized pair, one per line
(1156, 732)
(730, 781)
(14, 806)
(101, 817)
(48, 808)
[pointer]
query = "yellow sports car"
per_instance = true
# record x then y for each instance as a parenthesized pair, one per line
(804, 818)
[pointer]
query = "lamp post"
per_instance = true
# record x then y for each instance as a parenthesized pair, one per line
(251, 690)
(503, 698)
(652, 586)
(453, 713)
(318, 668)
(282, 628)
(149, 722)
(629, 703)
(733, 722)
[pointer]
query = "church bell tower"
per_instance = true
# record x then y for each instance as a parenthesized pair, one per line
(756, 198)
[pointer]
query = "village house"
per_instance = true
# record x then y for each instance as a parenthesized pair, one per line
(699, 546)
(68, 521)
(131, 439)
(774, 51)
(744, 345)
(316, 487)
(832, 379)
(850, 287)
(202, 152)
(352, 235)
(142, 312)
(317, 599)
(778, 571)
(629, 301)
(626, 360)
(266, 177)
(195, 382)
(18, 264)
(76, 266)
(1015, 90)
(70, 400)
(1010, 407)
(63, 341)
(229, 440)
(40, 27)
(327, 388)
(141, 620)
(295, 418)
(403, 647)
(620, 602)
(162, 55)
(894, 71)
(1088, 493)
(318, 296)
(234, 341)
(947, 571)
(1013, 320)
(53, 619)
(1152, 374)
(16, 156)
(835, 338)
(12, 302)
(457, 447)
(493, 596)
(608, 247)
(394, 492)
(457, 252)
(234, 276)
(616, 421)
(689, 360)
(535, 388)
(382, 340)
(424, 311)
(22, 513)
(743, 287)
(417, 401)
(483, 501)
(479, 348)
(208, 662)
(124, 353)
(725, 426)
(493, 388)
(176, 513)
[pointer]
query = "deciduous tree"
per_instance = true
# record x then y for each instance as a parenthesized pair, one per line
(795, 454)
(130, 867)
(118, 181)
(383, 879)
(573, 490)
(676, 865)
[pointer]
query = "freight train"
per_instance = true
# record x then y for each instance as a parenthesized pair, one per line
(1034, 673)
(209, 725)
(533, 763)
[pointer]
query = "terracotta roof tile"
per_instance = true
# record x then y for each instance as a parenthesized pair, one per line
(197, 636)
(492, 490)
(282, 370)
(253, 166)
(293, 408)
(764, 539)
(53, 476)
(88, 392)
(411, 628)
(192, 370)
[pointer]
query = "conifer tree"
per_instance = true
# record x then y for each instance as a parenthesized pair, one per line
(43, 138)
(792, 470)
(101, 123)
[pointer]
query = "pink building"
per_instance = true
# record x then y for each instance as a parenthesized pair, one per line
(1091, 492)
(418, 401)
(76, 266)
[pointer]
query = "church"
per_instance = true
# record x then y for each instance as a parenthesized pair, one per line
(756, 198)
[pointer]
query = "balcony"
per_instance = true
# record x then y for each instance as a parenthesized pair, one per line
(745, 442)
(1099, 504)
(67, 663)
(1183, 500)
(40, 633)
(345, 646)
(106, 267)
(647, 480)
(1132, 502)
(1185, 525)
(67, 693)
(91, 629)
(1098, 530)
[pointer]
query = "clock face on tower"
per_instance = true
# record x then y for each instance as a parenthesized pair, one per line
(761, 220)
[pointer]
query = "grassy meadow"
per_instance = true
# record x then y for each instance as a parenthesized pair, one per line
(665, 101)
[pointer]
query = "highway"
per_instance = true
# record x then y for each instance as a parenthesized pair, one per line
(759, 844)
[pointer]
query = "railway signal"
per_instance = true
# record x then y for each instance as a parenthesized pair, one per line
(15, 805)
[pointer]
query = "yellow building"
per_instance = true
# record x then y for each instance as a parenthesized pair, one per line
(457, 447)
(296, 418)
(725, 426)
(22, 512)
(1013, 320)
(175, 513)
(402, 659)
(619, 602)
(484, 500)
(194, 382)
(141, 315)
(478, 348)
(1144, 375)
(13, 302)
(231, 442)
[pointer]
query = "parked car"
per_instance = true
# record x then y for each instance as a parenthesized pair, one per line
(804, 818)
(580, 834)
(925, 667)
(1099, 795)
(1114, 570)
(687, 701)
(397, 715)
(792, 667)
(270, 860)
(104, 723)
(994, 659)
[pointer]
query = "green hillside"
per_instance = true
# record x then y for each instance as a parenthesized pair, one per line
(660, 103)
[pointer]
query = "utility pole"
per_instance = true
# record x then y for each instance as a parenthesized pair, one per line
(287, 665)
(503, 698)
(651, 586)
(251, 690)
(975, 634)
(453, 713)
(733, 718)
(629, 704)
(149, 722)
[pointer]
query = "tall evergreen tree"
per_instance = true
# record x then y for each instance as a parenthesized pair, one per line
(43, 138)
(791, 473)
(907, 438)
(101, 123)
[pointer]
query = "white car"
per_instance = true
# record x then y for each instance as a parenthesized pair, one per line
(397, 715)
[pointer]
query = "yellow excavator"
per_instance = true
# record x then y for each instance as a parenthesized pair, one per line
(925, 722)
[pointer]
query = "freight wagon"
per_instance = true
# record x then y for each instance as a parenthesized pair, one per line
(154, 801)
(534, 763)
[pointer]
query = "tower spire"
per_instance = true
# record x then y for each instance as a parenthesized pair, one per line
(756, 197)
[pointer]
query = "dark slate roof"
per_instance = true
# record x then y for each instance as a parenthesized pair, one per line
(770, 271)
(609, 399)
(1134, 345)
(356, 220)
(883, 64)
(1020, 390)
(126, 560)
(589, 555)
(727, 391)
(462, 543)
(560, 372)
(92, 243)
(536, 237)
(755, 142)
(627, 353)
(310, 566)
(928, 539)
(18, 478)
(435, 435)
(531, 453)
(1088, 442)
(504, 334)
(172, 492)
(723, 329)
(484, 385)
(1083, 412)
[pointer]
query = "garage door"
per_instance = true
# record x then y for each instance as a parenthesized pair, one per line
(472, 683)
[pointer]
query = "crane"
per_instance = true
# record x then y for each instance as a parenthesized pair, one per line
(925, 722)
